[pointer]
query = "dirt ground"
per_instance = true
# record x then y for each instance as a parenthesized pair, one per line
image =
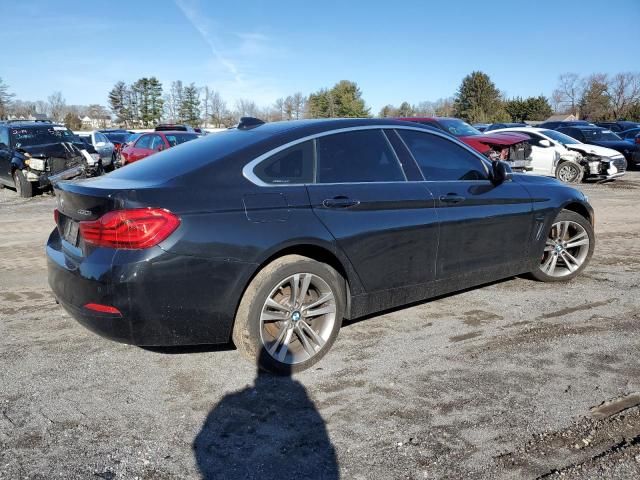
(495, 382)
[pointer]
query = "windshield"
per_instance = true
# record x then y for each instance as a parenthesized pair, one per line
(598, 135)
(560, 137)
(27, 137)
(117, 137)
(459, 128)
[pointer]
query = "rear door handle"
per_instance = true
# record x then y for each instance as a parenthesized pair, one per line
(452, 198)
(340, 202)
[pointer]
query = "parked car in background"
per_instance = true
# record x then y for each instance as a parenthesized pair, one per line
(511, 147)
(119, 138)
(606, 138)
(618, 126)
(558, 155)
(36, 154)
(480, 126)
(272, 234)
(149, 143)
(566, 123)
(172, 127)
(498, 126)
(104, 147)
(632, 135)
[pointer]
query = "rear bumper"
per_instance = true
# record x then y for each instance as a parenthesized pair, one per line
(165, 299)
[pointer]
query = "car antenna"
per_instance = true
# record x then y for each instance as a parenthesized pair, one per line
(247, 123)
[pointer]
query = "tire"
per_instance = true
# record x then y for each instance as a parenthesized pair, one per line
(260, 331)
(563, 268)
(24, 187)
(569, 172)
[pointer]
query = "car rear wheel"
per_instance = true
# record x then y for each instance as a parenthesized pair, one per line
(290, 314)
(568, 248)
(24, 187)
(569, 172)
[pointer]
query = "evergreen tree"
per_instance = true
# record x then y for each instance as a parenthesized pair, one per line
(343, 100)
(405, 110)
(478, 100)
(190, 107)
(118, 101)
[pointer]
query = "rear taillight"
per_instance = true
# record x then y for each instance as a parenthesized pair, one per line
(130, 229)
(638, 140)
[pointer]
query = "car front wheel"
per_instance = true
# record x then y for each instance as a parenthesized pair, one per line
(568, 248)
(290, 314)
(569, 172)
(24, 187)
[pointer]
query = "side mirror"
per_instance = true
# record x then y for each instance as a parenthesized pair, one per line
(500, 172)
(544, 143)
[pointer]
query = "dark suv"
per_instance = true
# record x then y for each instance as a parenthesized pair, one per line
(618, 126)
(36, 154)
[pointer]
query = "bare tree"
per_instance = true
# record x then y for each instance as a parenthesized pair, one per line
(173, 101)
(246, 108)
(5, 99)
(298, 104)
(205, 105)
(623, 90)
(569, 91)
(217, 109)
(278, 107)
(288, 108)
(57, 106)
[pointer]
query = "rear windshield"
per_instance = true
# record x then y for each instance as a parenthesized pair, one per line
(178, 138)
(190, 156)
(458, 127)
(27, 137)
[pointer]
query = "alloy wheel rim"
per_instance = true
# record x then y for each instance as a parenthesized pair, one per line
(297, 318)
(566, 249)
(568, 173)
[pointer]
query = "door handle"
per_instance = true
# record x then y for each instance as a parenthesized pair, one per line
(452, 198)
(340, 202)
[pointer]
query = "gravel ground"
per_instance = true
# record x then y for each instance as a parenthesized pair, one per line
(503, 381)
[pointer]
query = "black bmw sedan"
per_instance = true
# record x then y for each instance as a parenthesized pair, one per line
(271, 234)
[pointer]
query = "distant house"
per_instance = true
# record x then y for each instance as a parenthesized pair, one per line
(89, 123)
(562, 117)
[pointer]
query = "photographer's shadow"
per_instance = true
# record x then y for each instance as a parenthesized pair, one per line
(268, 430)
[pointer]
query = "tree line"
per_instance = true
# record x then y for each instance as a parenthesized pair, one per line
(145, 103)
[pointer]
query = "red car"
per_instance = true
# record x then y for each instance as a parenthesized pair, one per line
(512, 147)
(150, 143)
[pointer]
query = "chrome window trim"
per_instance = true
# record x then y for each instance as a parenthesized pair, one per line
(248, 169)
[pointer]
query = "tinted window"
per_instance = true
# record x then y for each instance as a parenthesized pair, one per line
(442, 159)
(293, 165)
(360, 156)
(144, 141)
(156, 141)
(178, 138)
(101, 138)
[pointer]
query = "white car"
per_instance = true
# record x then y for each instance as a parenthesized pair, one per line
(555, 154)
(103, 146)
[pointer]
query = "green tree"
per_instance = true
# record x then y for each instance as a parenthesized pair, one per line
(118, 101)
(478, 100)
(406, 110)
(343, 100)
(5, 100)
(72, 121)
(190, 107)
(532, 108)
(148, 99)
(388, 111)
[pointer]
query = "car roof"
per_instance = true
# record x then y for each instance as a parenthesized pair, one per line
(30, 123)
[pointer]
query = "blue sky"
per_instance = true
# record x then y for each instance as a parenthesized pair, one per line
(261, 50)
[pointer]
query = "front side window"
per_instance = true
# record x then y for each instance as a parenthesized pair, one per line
(144, 141)
(358, 156)
(4, 137)
(441, 159)
(290, 166)
(156, 141)
(101, 138)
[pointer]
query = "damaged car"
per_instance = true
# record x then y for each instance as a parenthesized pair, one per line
(36, 154)
(555, 154)
(510, 147)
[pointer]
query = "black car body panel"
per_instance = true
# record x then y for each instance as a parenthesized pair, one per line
(394, 242)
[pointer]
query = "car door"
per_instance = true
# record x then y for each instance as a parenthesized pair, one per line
(142, 148)
(5, 155)
(483, 228)
(387, 226)
(543, 157)
(102, 145)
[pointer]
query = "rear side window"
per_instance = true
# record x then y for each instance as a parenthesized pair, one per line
(441, 159)
(178, 138)
(293, 165)
(359, 156)
(156, 141)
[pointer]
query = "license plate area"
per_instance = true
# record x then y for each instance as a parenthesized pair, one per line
(70, 231)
